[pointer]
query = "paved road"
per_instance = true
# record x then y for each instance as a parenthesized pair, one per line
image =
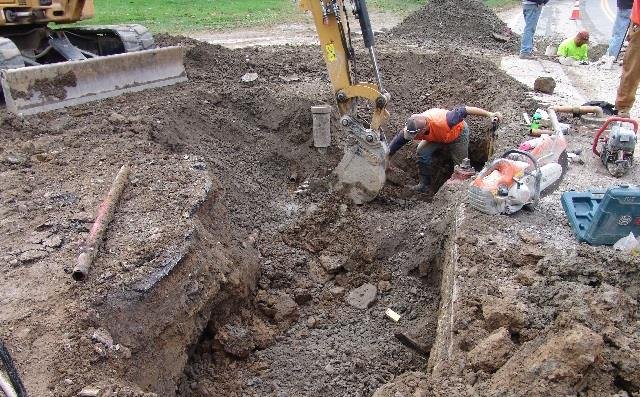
(597, 16)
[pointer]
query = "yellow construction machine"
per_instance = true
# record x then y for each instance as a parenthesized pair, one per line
(44, 68)
(361, 173)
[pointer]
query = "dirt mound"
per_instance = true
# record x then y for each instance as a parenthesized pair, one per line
(457, 23)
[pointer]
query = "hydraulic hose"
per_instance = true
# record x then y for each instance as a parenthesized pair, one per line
(369, 40)
(11, 370)
(365, 23)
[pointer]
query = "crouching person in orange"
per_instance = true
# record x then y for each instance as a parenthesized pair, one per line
(438, 129)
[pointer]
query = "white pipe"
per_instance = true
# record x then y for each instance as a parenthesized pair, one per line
(6, 387)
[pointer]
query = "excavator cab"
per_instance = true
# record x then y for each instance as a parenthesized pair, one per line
(361, 172)
(44, 68)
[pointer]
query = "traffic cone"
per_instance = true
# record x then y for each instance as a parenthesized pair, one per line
(575, 12)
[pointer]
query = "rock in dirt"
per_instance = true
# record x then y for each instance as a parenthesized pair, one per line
(362, 297)
(414, 384)
(263, 334)
(32, 256)
(530, 237)
(332, 263)
(533, 252)
(103, 336)
(277, 306)
(566, 355)
(249, 77)
(52, 242)
(384, 286)
(545, 85)
(499, 313)
(14, 159)
(318, 274)
(236, 340)
(492, 352)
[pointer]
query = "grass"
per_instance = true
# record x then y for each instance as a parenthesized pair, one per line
(177, 16)
(501, 3)
(180, 16)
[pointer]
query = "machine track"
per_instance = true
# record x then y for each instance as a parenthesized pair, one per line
(10, 56)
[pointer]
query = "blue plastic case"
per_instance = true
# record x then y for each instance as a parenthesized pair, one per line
(601, 217)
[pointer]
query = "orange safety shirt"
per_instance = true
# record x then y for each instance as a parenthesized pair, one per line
(439, 130)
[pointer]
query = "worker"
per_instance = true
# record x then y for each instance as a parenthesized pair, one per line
(438, 129)
(630, 66)
(620, 27)
(531, 10)
(575, 49)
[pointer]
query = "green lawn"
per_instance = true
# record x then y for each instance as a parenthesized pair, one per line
(501, 3)
(180, 16)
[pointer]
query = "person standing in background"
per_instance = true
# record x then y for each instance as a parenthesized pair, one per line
(630, 77)
(620, 27)
(531, 10)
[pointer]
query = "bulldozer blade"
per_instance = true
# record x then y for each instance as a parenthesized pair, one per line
(361, 173)
(42, 88)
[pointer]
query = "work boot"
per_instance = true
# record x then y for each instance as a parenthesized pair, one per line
(425, 179)
(421, 187)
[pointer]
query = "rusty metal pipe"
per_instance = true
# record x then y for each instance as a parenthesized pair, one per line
(597, 110)
(89, 249)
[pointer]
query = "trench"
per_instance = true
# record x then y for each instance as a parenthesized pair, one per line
(295, 333)
(299, 336)
(274, 268)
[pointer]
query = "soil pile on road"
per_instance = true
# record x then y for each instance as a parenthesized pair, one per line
(457, 23)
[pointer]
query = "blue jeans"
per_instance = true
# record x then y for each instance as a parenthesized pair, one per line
(619, 31)
(459, 149)
(531, 14)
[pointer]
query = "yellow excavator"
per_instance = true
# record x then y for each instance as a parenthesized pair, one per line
(361, 172)
(44, 68)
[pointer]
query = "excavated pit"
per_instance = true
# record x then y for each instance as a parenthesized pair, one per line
(219, 276)
(213, 256)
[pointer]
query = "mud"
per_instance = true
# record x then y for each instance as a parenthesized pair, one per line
(53, 88)
(229, 265)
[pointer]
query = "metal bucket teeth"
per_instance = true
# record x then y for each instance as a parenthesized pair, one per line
(38, 89)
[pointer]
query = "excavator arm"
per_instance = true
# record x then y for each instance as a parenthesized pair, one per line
(361, 173)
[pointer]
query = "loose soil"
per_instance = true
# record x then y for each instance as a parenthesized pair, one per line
(229, 266)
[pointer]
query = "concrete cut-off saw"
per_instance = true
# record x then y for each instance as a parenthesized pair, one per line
(520, 176)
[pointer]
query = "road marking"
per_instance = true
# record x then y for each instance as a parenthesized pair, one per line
(608, 12)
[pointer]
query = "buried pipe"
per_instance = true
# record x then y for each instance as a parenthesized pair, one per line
(96, 234)
(6, 387)
(597, 110)
(14, 383)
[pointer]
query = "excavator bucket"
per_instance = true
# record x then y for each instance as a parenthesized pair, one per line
(38, 89)
(361, 172)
